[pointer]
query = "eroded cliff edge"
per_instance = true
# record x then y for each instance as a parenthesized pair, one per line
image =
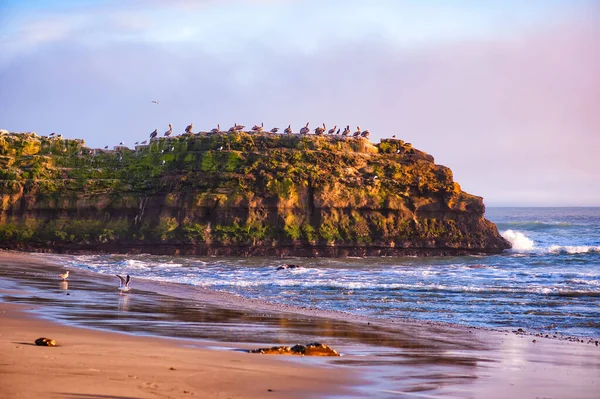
(236, 194)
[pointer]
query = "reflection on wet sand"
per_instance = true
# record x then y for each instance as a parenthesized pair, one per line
(399, 358)
(64, 285)
(123, 302)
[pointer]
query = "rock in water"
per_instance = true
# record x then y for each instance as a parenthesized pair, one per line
(266, 195)
(312, 349)
(45, 342)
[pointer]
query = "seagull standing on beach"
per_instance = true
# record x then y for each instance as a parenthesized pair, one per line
(124, 282)
(65, 275)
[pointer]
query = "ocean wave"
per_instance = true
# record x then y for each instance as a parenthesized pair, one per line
(519, 241)
(572, 249)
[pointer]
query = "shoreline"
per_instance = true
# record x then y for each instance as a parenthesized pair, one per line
(281, 251)
(431, 357)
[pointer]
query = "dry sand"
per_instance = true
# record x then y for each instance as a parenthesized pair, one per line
(97, 364)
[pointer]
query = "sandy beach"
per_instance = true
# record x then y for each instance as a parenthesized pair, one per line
(209, 331)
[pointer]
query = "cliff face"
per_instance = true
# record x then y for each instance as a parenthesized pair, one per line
(236, 194)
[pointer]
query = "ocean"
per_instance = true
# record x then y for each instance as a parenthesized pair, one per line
(548, 283)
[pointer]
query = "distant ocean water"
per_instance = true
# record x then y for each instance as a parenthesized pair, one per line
(549, 282)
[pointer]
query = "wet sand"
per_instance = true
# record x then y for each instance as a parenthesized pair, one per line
(383, 358)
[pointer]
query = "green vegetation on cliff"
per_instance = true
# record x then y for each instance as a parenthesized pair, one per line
(236, 193)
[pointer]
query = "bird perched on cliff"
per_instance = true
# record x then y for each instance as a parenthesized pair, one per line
(106, 147)
(122, 143)
(170, 131)
(346, 131)
(65, 275)
(257, 128)
(305, 129)
(239, 128)
(365, 134)
(332, 131)
(144, 142)
(189, 128)
(288, 130)
(338, 131)
(357, 133)
(274, 130)
(233, 128)
(217, 129)
(393, 136)
(154, 133)
(124, 282)
(52, 134)
(319, 131)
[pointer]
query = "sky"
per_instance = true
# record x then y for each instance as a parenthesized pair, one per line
(505, 93)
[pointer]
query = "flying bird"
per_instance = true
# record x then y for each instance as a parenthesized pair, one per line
(65, 275)
(154, 102)
(124, 282)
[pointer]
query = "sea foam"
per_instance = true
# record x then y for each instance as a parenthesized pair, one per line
(519, 241)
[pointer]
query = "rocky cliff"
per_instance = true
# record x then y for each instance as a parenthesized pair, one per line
(236, 194)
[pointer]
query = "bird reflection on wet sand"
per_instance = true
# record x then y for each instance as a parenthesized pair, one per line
(123, 302)
(64, 285)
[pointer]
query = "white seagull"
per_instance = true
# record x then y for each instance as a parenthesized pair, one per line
(124, 284)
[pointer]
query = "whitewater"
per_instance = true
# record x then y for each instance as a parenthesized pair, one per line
(549, 282)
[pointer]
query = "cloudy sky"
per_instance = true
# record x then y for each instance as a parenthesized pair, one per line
(506, 93)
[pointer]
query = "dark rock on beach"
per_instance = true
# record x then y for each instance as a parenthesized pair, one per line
(236, 194)
(45, 342)
(312, 349)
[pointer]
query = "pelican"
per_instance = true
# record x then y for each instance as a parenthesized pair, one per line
(233, 128)
(319, 131)
(288, 130)
(394, 136)
(239, 128)
(154, 133)
(144, 142)
(260, 128)
(346, 131)
(332, 131)
(52, 134)
(137, 142)
(357, 133)
(188, 128)
(106, 147)
(65, 275)
(124, 282)
(170, 131)
(275, 130)
(305, 129)
(365, 134)
(338, 132)
(217, 129)
(122, 143)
